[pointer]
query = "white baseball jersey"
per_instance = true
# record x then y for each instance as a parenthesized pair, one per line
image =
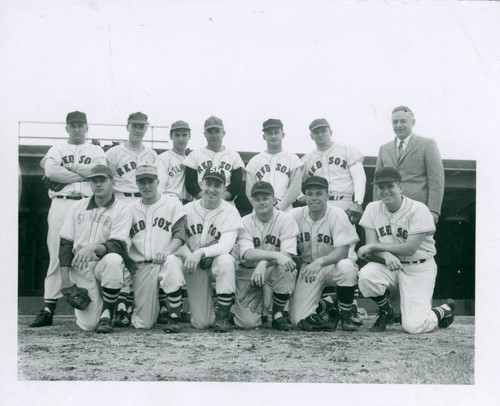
(151, 230)
(203, 158)
(278, 234)
(394, 228)
(318, 238)
(205, 227)
(275, 169)
(76, 158)
(123, 162)
(333, 164)
(88, 224)
(172, 174)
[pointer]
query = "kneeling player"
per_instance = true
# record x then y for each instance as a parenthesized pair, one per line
(400, 251)
(157, 231)
(266, 244)
(212, 227)
(326, 245)
(93, 248)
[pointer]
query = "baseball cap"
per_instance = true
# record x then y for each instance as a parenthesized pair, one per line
(262, 187)
(214, 173)
(178, 125)
(213, 122)
(146, 171)
(315, 181)
(100, 170)
(272, 123)
(76, 117)
(387, 174)
(138, 118)
(319, 122)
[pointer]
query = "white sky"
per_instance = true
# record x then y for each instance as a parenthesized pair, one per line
(245, 61)
(350, 62)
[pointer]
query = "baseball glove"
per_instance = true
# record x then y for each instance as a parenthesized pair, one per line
(206, 262)
(251, 297)
(77, 297)
(52, 184)
(315, 323)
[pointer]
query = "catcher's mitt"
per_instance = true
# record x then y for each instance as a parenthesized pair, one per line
(206, 262)
(77, 297)
(52, 184)
(315, 323)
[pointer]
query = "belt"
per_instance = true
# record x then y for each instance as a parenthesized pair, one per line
(69, 197)
(339, 197)
(145, 262)
(420, 261)
(127, 194)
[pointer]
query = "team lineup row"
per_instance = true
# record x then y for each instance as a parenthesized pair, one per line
(203, 233)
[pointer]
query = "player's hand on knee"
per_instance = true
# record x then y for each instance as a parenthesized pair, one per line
(83, 256)
(159, 258)
(259, 275)
(310, 272)
(392, 262)
(364, 251)
(285, 262)
(192, 262)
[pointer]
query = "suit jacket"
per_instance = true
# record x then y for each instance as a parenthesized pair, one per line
(421, 169)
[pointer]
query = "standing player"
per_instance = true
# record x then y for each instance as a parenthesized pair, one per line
(266, 244)
(214, 155)
(399, 236)
(325, 242)
(171, 171)
(282, 169)
(67, 167)
(341, 165)
(123, 159)
(94, 242)
(212, 227)
(158, 230)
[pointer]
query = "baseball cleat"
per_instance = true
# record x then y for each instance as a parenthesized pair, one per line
(356, 317)
(449, 317)
(185, 317)
(122, 319)
(281, 323)
(221, 325)
(347, 324)
(43, 319)
(104, 326)
(163, 318)
(383, 320)
(173, 325)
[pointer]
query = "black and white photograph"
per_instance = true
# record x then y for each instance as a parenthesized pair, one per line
(250, 202)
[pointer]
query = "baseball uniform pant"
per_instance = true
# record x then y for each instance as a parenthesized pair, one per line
(416, 285)
(108, 273)
(305, 297)
(199, 289)
(169, 276)
(277, 280)
(59, 208)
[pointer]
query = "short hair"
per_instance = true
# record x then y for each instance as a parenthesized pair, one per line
(405, 109)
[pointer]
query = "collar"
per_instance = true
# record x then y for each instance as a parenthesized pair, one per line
(92, 204)
(405, 141)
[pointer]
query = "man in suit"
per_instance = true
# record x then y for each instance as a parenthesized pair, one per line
(417, 159)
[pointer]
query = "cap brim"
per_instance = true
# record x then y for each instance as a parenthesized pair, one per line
(138, 122)
(213, 178)
(315, 184)
(319, 126)
(262, 192)
(76, 121)
(146, 176)
(95, 175)
(214, 126)
(385, 180)
(271, 127)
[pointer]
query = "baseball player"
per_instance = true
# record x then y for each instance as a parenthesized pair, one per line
(326, 245)
(214, 155)
(282, 169)
(93, 250)
(67, 166)
(157, 231)
(171, 171)
(123, 159)
(266, 246)
(400, 252)
(212, 227)
(342, 166)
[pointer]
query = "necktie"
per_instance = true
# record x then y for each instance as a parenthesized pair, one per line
(400, 149)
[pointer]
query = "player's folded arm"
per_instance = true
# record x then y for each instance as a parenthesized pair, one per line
(54, 171)
(406, 249)
(337, 254)
(223, 246)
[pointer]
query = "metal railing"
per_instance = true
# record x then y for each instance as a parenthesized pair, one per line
(97, 128)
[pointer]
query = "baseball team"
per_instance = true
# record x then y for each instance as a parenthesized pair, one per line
(158, 239)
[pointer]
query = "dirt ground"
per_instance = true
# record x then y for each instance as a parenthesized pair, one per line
(64, 352)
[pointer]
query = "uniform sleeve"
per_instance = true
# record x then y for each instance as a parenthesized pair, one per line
(305, 160)
(161, 164)
(232, 220)
(245, 241)
(238, 162)
(65, 252)
(367, 217)
(421, 221)
(177, 208)
(68, 229)
(295, 162)
(288, 234)
(51, 164)
(353, 155)
(191, 181)
(179, 229)
(190, 161)
(343, 231)
(111, 158)
(120, 229)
